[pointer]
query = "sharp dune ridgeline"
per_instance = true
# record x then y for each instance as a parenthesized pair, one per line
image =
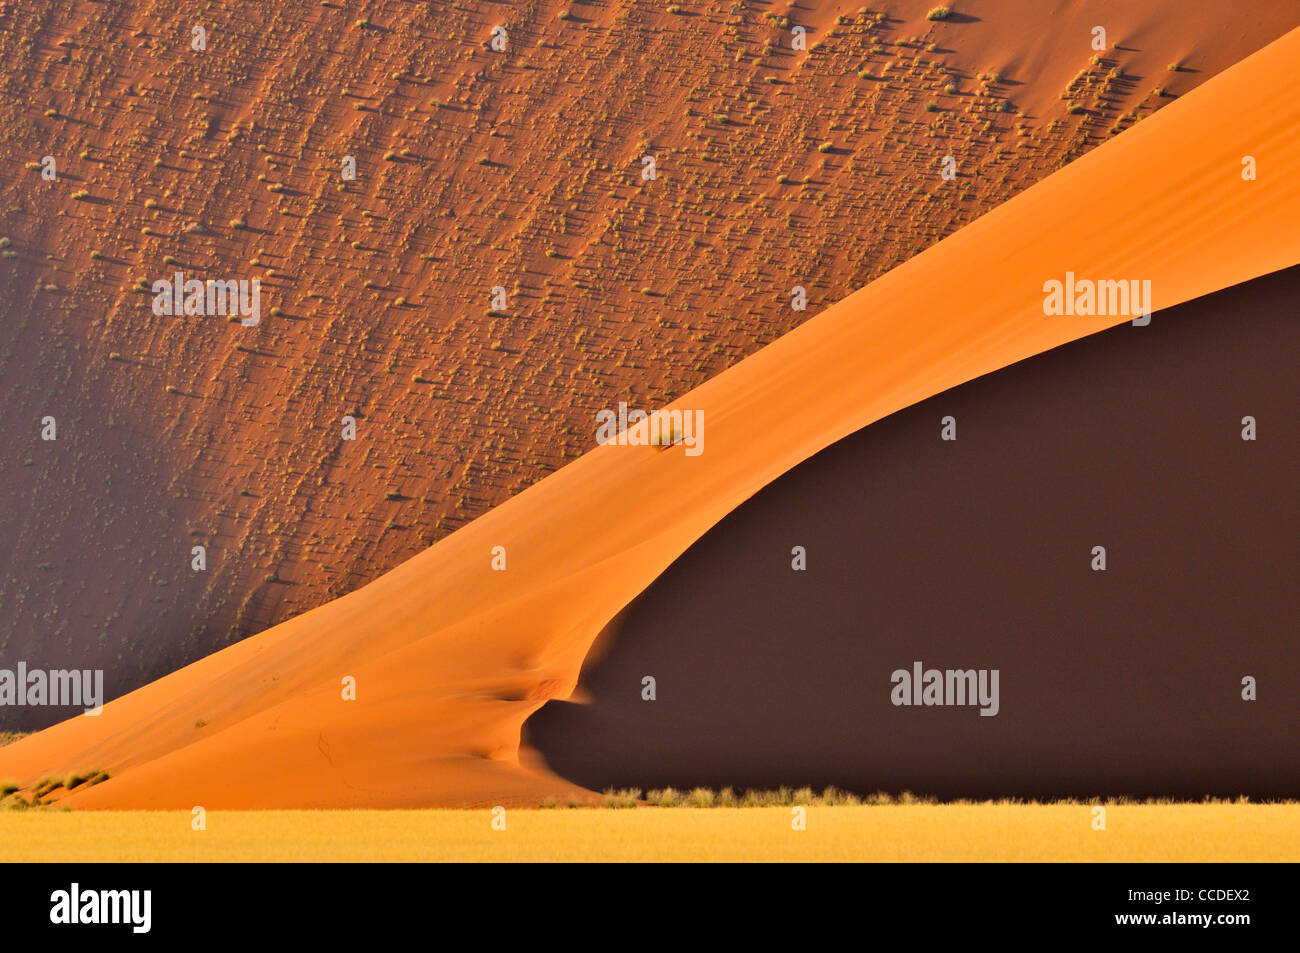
(474, 170)
(450, 656)
(775, 668)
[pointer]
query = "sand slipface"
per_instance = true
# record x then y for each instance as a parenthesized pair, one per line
(973, 557)
(450, 656)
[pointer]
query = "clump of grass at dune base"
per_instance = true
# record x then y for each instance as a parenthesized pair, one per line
(1216, 831)
(9, 737)
(834, 797)
(729, 797)
(45, 793)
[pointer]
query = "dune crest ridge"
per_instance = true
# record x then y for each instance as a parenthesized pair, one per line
(451, 657)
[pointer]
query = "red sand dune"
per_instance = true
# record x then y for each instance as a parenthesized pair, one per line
(451, 657)
(184, 431)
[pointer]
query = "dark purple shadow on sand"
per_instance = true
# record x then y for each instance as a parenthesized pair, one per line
(976, 554)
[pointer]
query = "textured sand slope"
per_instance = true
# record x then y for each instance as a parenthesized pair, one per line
(450, 657)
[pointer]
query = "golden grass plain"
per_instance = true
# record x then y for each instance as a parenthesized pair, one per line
(985, 832)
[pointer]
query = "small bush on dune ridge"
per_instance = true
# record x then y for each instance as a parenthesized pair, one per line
(939, 13)
(664, 440)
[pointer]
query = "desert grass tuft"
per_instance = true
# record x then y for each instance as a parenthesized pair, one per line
(622, 797)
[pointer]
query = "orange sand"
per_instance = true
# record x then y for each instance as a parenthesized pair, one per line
(451, 657)
(460, 409)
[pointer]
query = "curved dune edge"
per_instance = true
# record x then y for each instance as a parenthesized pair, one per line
(976, 554)
(451, 657)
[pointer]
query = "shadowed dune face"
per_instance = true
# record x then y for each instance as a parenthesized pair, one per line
(451, 655)
(976, 554)
(473, 170)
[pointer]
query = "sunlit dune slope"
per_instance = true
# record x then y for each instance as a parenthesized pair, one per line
(450, 656)
(475, 169)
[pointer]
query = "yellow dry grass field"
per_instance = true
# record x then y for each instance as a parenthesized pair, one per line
(926, 832)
